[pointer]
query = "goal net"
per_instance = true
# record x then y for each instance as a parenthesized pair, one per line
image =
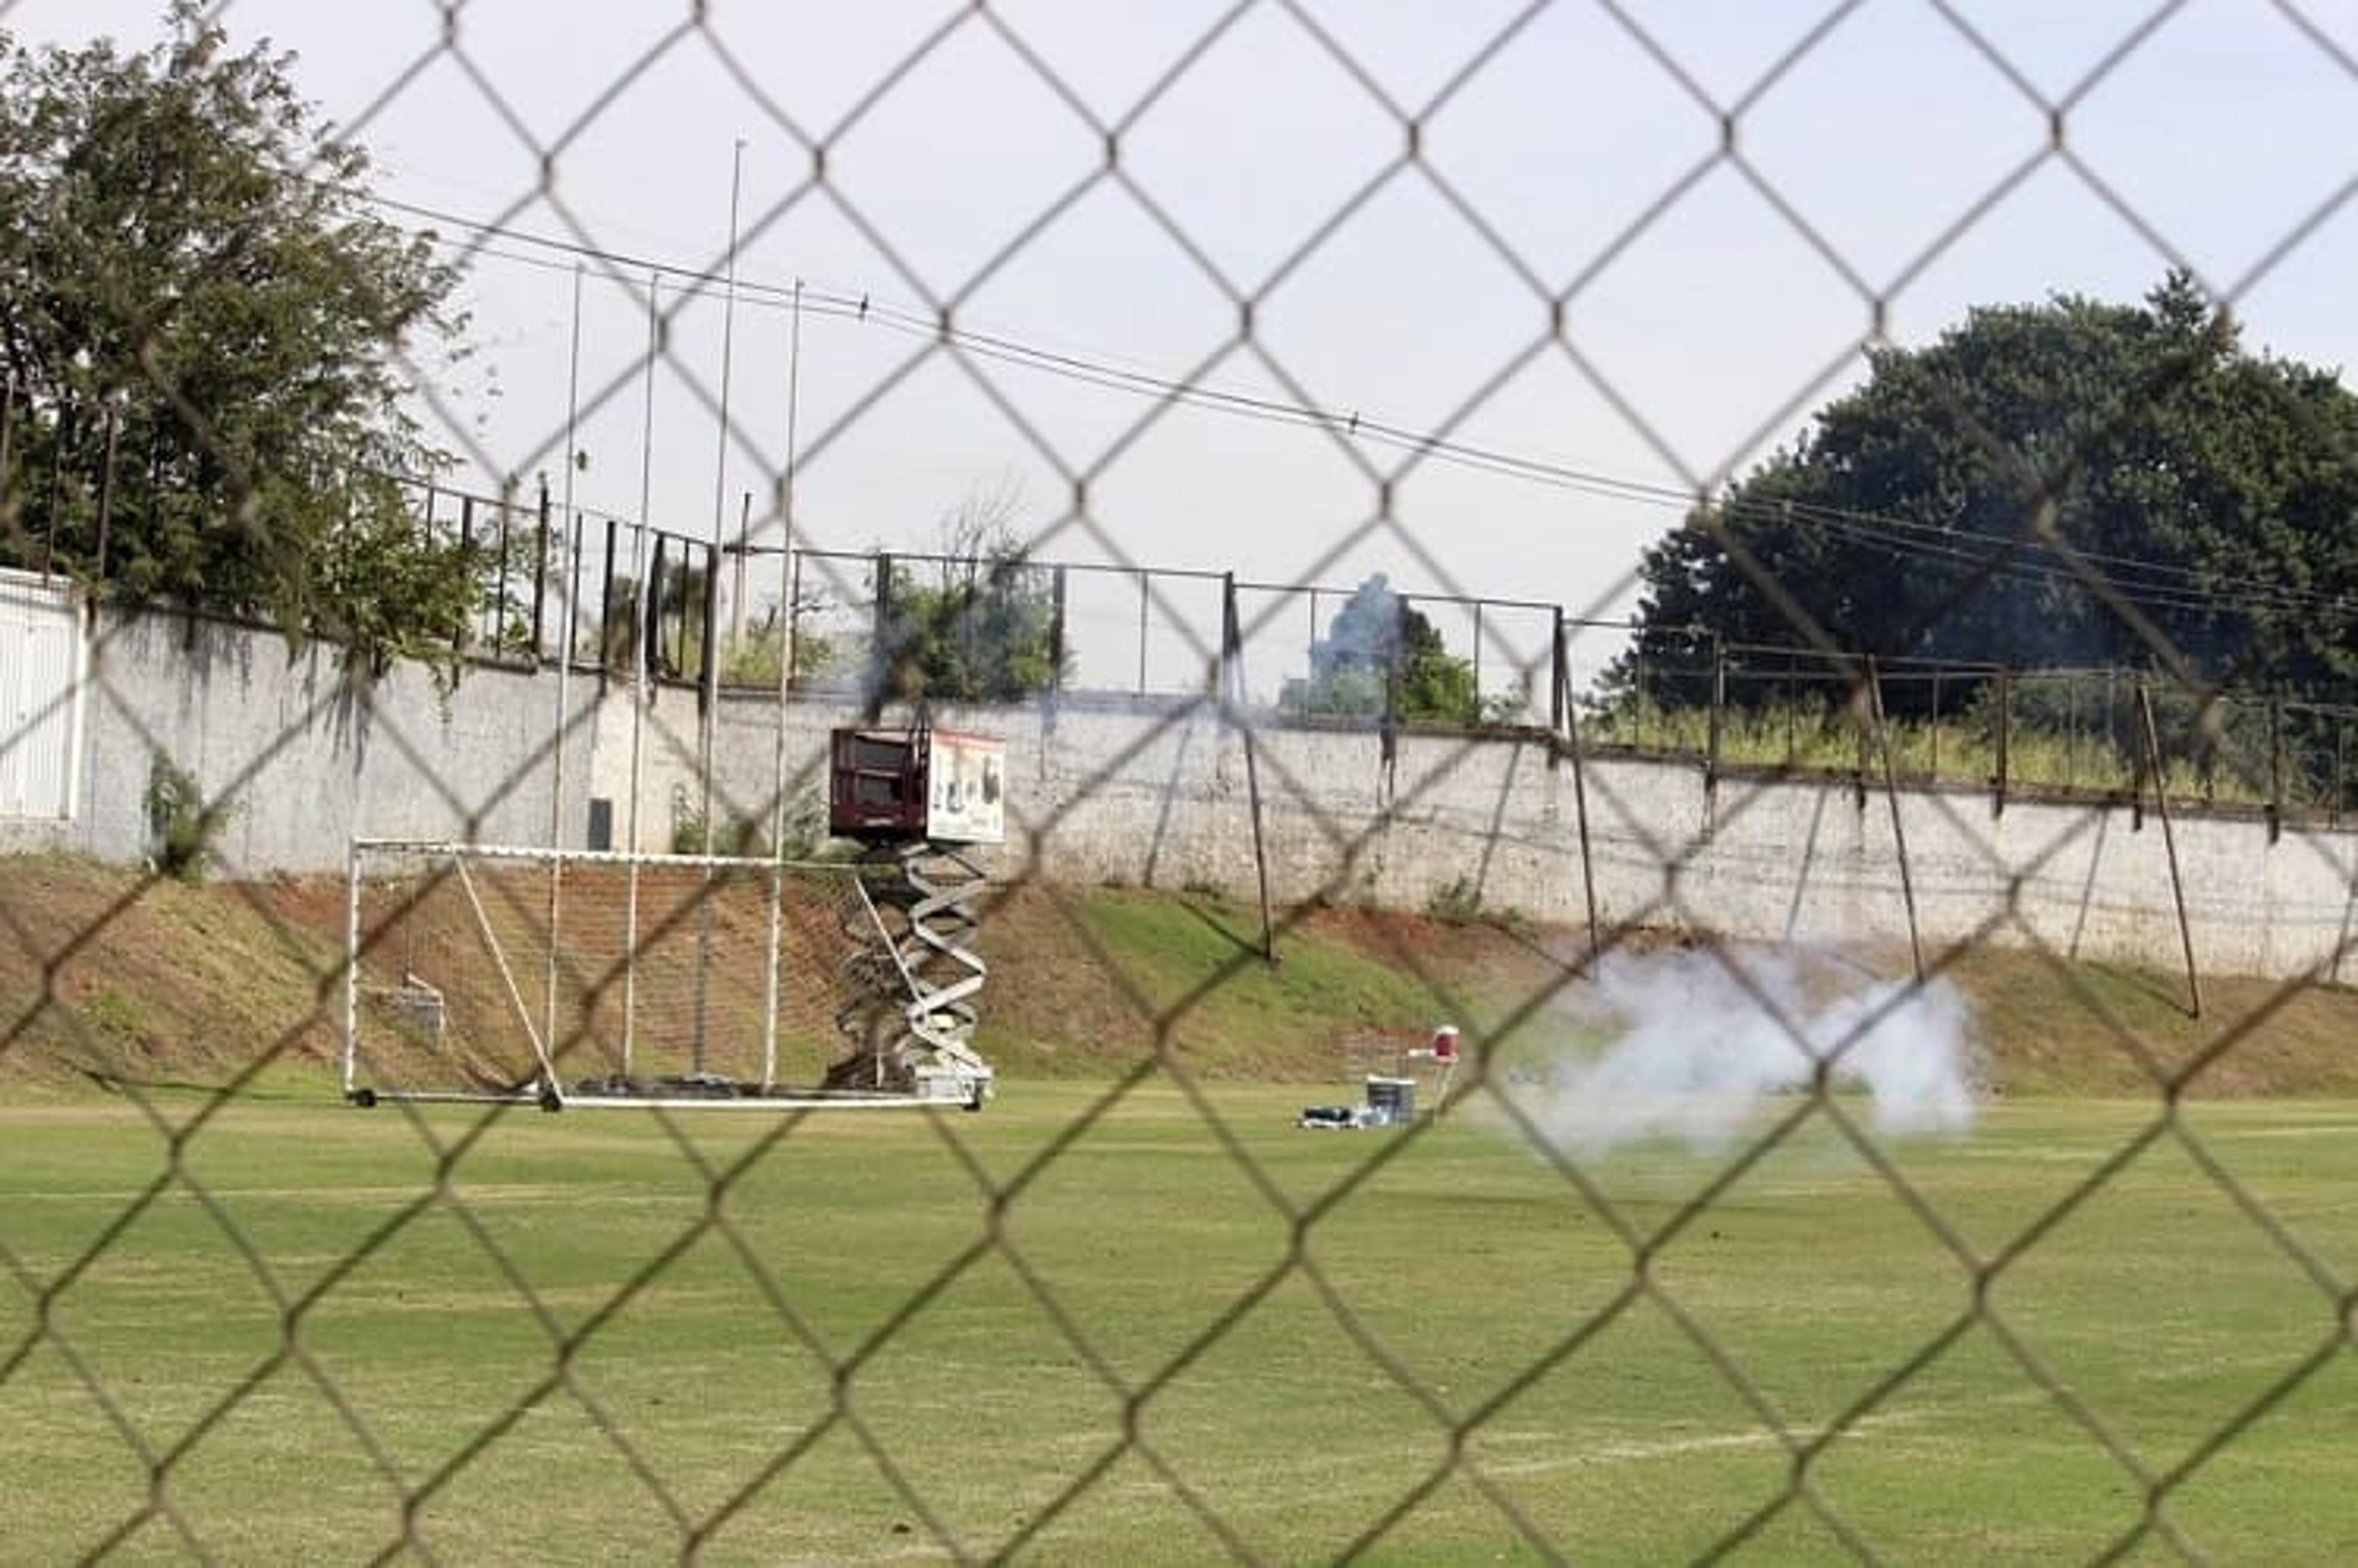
(576, 977)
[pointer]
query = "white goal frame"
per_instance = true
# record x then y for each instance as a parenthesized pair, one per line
(532, 1001)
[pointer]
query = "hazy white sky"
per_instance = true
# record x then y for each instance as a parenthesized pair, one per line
(1727, 195)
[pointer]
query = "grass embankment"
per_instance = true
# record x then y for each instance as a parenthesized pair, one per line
(117, 979)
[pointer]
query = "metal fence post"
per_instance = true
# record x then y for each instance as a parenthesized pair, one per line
(2004, 740)
(880, 636)
(1714, 723)
(1571, 711)
(2275, 808)
(1559, 678)
(540, 571)
(2341, 765)
(1395, 664)
(7, 442)
(606, 604)
(651, 648)
(106, 486)
(1056, 631)
(2170, 845)
(790, 651)
(573, 589)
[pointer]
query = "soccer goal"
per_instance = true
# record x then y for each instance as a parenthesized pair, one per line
(576, 977)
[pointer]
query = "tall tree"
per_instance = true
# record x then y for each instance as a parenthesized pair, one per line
(2066, 483)
(204, 330)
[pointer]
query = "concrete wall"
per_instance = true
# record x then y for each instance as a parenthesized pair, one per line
(1158, 794)
(306, 759)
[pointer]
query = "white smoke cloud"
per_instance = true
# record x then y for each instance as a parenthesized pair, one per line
(1691, 1052)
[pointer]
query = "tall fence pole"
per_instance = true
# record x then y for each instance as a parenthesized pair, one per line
(1057, 610)
(1714, 723)
(2004, 740)
(106, 486)
(2169, 844)
(7, 443)
(646, 566)
(773, 963)
(540, 572)
(1569, 706)
(1232, 659)
(880, 637)
(1559, 683)
(2341, 766)
(2276, 769)
(1899, 831)
(606, 604)
(556, 836)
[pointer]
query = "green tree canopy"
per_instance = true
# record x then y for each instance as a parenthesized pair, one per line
(2069, 483)
(1376, 640)
(204, 330)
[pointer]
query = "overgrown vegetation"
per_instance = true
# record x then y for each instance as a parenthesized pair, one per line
(2223, 763)
(183, 829)
(207, 328)
(179, 983)
(801, 828)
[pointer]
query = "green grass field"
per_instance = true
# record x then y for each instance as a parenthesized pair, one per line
(1083, 1331)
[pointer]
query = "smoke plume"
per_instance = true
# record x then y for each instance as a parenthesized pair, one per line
(1690, 1052)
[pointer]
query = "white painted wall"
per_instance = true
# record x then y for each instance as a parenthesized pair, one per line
(41, 690)
(1158, 793)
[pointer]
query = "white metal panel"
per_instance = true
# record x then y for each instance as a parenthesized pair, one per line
(40, 697)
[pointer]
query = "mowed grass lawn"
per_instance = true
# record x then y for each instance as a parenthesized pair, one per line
(1089, 1332)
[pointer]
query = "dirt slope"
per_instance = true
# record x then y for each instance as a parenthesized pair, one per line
(113, 976)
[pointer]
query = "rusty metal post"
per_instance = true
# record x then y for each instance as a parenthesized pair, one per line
(1898, 833)
(2169, 844)
(1936, 726)
(1559, 682)
(1571, 709)
(1862, 719)
(106, 487)
(1232, 702)
(1056, 612)
(2005, 741)
(2341, 765)
(2276, 769)
(7, 447)
(540, 571)
(1716, 721)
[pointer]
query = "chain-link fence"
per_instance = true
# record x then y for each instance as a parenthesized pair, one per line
(1823, 1097)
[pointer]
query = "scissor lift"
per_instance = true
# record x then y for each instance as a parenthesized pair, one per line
(920, 802)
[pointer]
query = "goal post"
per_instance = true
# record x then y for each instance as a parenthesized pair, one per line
(566, 978)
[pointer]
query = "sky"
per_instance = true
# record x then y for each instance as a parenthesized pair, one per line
(1627, 249)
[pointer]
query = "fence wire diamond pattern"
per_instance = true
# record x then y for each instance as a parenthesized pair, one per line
(1115, 1313)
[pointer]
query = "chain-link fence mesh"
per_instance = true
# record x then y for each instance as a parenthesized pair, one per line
(1767, 1267)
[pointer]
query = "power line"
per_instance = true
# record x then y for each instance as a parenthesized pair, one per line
(2178, 587)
